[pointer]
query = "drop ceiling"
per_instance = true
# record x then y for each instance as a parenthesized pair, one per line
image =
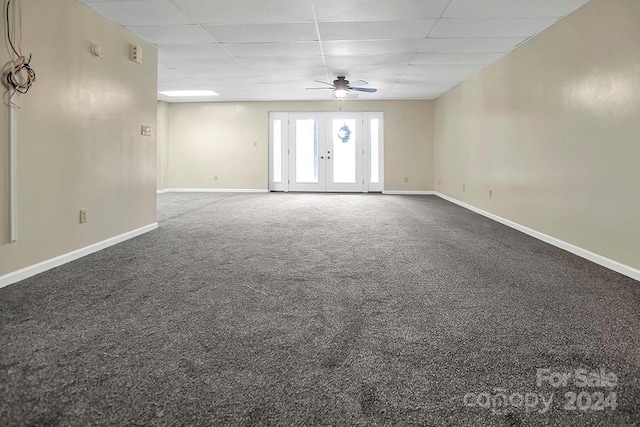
(273, 49)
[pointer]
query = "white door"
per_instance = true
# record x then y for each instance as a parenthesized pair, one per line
(307, 167)
(337, 152)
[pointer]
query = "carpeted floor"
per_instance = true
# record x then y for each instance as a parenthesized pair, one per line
(302, 309)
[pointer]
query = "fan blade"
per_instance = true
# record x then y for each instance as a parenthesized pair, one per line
(319, 88)
(324, 83)
(364, 89)
(359, 83)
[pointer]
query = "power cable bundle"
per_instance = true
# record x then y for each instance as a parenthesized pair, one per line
(19, 74)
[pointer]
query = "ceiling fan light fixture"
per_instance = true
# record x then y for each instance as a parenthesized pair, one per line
(340, 93)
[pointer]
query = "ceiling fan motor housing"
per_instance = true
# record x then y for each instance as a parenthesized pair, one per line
(341, 83)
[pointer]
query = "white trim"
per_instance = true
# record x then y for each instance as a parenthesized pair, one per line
(43, 266)
(409, 193)
(216, 190)
(13, 168)
(576, 250)
(166, 190)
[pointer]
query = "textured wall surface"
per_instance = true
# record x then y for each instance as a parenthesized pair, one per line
(552, 131)
(79, 141)
(208, 139)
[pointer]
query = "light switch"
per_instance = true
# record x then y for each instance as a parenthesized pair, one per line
(146, 131)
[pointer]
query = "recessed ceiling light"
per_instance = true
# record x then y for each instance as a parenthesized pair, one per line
(188, 93)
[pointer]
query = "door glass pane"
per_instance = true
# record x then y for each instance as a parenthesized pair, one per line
(344, 151)
(277, 151)
(375, 151)
(306, 151)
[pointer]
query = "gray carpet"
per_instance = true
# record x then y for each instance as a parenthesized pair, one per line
(301, 309)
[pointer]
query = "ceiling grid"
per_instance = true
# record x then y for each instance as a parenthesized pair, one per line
(248, 50)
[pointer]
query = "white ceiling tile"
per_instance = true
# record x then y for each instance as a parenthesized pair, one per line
(442, 72)
(166, 74)
(417, 93)
(370, 30)
(455, 58)
(230, 12)
(268, 49)
(369, 60)
(202, 63)
(284, 93)
(189, 99)
(213, 73)
(371, 47)
(209, 50)
(270, 74)
(227, 73)
(289, 50)
(489, 28)
(410, 81)
(469, 45)
(263, 33)
(172, 34)
(378, 10)
(271, 62)
(512, 8)
(467, 69)
(384, 73)
(142, 12)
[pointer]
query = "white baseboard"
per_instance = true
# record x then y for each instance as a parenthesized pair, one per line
(408, 193)
(576, 250)
(43, 266)
(215, 190)
(166, 190)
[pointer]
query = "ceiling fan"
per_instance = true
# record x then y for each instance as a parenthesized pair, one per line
(341, 87)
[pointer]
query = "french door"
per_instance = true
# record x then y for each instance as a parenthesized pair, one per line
(336, 152)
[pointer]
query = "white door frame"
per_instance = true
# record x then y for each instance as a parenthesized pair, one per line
(286, 132)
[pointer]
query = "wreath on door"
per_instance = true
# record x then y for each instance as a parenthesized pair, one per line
(344, 133)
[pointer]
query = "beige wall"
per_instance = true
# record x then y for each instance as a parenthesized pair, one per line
(79, 142)
(208, 139)
(163, 145)
(553, 130)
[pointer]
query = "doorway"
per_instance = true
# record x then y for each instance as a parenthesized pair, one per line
(326, 152)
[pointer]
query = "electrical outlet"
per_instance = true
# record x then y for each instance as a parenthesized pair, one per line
(83, 216)
(464, 188)
(255, 143)
(491, 194)
(439, 182)
(406, 179)
(215, 177)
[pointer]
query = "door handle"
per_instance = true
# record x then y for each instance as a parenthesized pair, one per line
(328, 157)
(321, 157)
